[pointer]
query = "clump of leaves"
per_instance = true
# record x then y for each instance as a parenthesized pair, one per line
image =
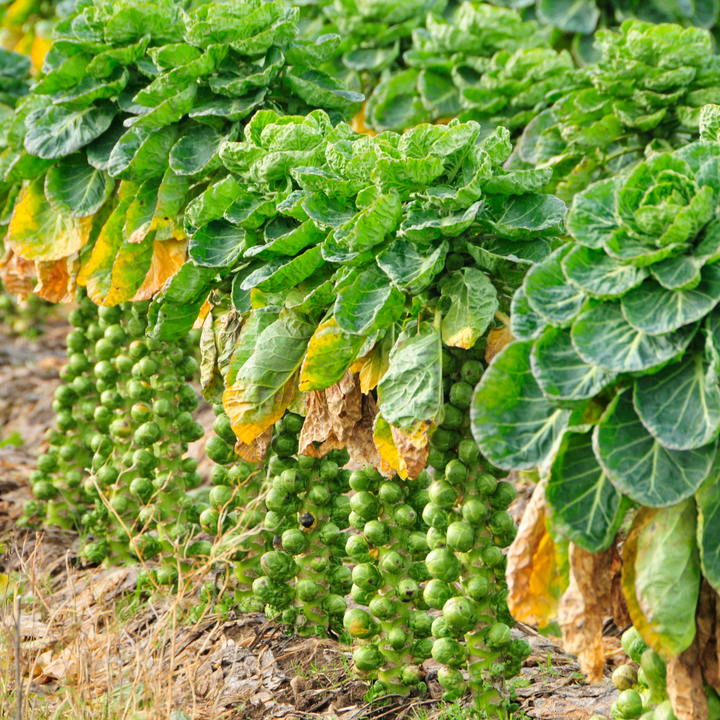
(648, 86)
(612, 384)
(124, 124)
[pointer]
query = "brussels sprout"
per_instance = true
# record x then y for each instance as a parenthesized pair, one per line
(368, 658)
(436, 517)
(405, 517)
(294, 541)
(392, 562)
(334, 604)
(360, 624)
(437, 593)
(461, 394)
(407, 589)
(492, 556)
(219, 451)
(443, 565)
(633, 644)
(443, 495)
(500, 522)
(273, 592)
(452, 681)
(503, 496)
(420, 623)
(449, 651)
(416, 544)
(624, 677)
(477, 587)
(460, 536)
(498, 636)
(365, 505)
(460, 615)
(382, 607)
(628, 705)
(367, 577)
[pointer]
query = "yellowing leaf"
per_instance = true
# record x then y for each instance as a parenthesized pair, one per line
(498, 338)
(204, 310)
(40, 233)
(39, 49)
(168, 257)
(57, 280)
(376, 362)
(358, 123)
(412, 452)
(330, 352)
(19, 12)
(382, 435)
(132, 264)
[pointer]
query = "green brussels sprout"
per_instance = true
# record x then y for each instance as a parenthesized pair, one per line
(340, 580)
(460, 615)
(633, 644)
(492, 556)
(319, 563)
(163, 408)
(104, 350)
(486, 484)
(624, 677)
(443, 494)
(282, 503)
(460, 537)
(294, 541)
(392, 563)
(453, 682)
(437, 593)
(367, 577)
(405, 517)
(47, 463)
(120, 429)
(449, 651)
(279, 565)
(471, 372)
(456, 472)
(365, 505)
(358, 549)
(293, 481)
(124, 364)
(436, 517)
(628, 705)
(468, 452)
(397, 638)
(107, 475)
(219, 451)
(142, 489)
(500, 522)
(368, 658)
(461, 395)
(308, 590)
(318, 495)
(503, 496)
(138, 390)
(144, 460)
(106, 372)
(340, 509)
(452, 417)
(147, 434)
(360, 624)
(209, 521)
(328, 470)
(222, 496)
(418, 500)
(422, 649)
(411, 675)
(145, 546)
(390, 493)
(443, 565)
(419, 623)
(95, 552)
(293, 423)
(498, 636)
(66, 396)
(360, 596)
(284, 444)
(407, 589)
(223, 428)
(416, 544)
(382, 607)
(436, 539)
(44, 490)
(444, 440)
(519, 649)
(418, 572)
(273, 592)
(476, 587)
(334, 604)
(654, 668)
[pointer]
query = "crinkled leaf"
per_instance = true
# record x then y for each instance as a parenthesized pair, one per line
(410, 267)
(597, 274)
(217, 244)
(75, 188)
(593, 217)
(474, 303)
(140, 154)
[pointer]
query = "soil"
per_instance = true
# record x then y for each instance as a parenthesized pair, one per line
(92, 645)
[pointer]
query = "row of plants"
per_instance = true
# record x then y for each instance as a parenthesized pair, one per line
(199, 169)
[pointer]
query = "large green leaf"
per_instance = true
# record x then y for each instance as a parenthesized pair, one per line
(212, 204)
(708, 529)
(593, 218)
(410, 394)
(655, 310)
(561, 372)
(597, 274)
(571, 16)
(667, 576)
(603, 337)
(514, 424)
(195, 151)
(680, 405)
(285, 237)
(526, 324)
(549, 292)
(639, 466)
(427, 224)
(412, 267)
(474, 302)
(318, 89)
(140, 154)
(58, 131)
(525, 217)
(679, 272)
(264, 386)
(75, 188)
(581, 497)
(370, 226)
(283, 273)
(259, 319)
(369, 303)
(217, 244)
(439, 93)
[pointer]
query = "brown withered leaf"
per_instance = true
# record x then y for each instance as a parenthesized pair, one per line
(317, 426)
(707, 619)
(57, 279)
(532, 574)
(168, 257)
(583, 607)
(618, 603)
(413, 458)
(685, 685)
(18, 274)
(344, 401)
(497, 339)
(257, 450)
(360, 444)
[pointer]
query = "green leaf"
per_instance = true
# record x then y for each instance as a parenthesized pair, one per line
(312, 52)
(667, 576)
(680, 405)
(678, 273)
(140, 155)
(232, 109)
(410, 394)
(593, 217)
(395, 103)
(426, 224)
(439, 94)
(259, 319)
(283, 273)
(412, 268)
(213, 203)
(407, 175)
(597, 274)
(526, 323)
(525, 217)
(571, 16)
(167, 112)
(330, 353)
(708, 526)
(548, 291)
(103, 65)
(641, 253)
(90, 89)
(603, 337)
(320, 90)
(518, 182)
(514, 424)
(194, 152)
(580, 495)
(286, 238)
(141, 212)
(652, 309)
(561, 372)
(217, 244)
(98, 151)
(264, 386)
(370, 226)
(321, 180)
(370, 303)
(246, 77)
(248, 210)
(75, 188)
(58, 131)
(330, 212)
(639, 466)
(474, 302)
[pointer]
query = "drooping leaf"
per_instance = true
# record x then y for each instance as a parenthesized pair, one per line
(708, 527)
(411, 267)
(283, 273)
(514, 424)
(525, 217)
(474, 303)
(593, 218)
(141, 154)
(217, 244)
(526, 323)
(75, 188)
(639, 466)
(580, 495)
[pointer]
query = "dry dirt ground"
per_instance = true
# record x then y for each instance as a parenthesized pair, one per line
(88, 644)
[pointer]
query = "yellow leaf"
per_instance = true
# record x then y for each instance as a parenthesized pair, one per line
(376, 363)
(498, 338)
(40, 46)
(358, 123)
(3, 583)
(382, 435)
(20, 12)
(204, 310)
(57, 280)
(132, 263)
(168, 257)
(40, 233)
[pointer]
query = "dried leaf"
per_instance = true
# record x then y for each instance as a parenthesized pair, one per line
(257, 450)
(411, 453)
(360, 444)
(204, 310)
(707, 619)
(344, 405)
(56, 279)
(18, 274)
(317, 426)
(168, 257)
(497, 339)
(618, 603)
(583, 607)
(533, 577)
(685, 685)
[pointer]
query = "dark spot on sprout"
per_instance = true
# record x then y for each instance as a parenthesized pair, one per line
(277, 542)
(307, 520)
